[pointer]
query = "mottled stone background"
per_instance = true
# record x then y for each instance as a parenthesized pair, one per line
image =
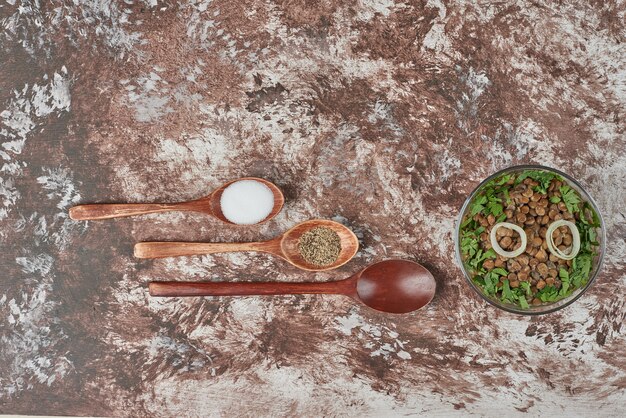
(383, 115)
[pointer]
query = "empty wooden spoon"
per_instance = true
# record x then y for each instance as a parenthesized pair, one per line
(209, 205)
(284, 246)
(393, 286)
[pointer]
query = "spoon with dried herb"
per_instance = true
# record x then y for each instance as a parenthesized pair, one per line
(314, 245)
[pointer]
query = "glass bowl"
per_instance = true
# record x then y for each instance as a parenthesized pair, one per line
(546, 307)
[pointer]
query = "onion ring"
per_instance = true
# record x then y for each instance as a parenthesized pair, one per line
(496, 246)
(574, 248)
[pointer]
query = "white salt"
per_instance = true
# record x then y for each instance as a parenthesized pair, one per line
(247, 202)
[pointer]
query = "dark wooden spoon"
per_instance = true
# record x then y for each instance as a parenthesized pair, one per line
(209, 205)
(284, 246)
(393, 286)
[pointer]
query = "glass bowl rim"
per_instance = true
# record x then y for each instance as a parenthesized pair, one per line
(548, 309)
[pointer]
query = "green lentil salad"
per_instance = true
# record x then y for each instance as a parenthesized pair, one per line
(518, 241)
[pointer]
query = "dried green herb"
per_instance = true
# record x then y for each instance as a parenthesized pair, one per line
(320, 246)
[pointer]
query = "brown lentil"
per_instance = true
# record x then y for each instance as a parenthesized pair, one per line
(542, 269)
(541, 255)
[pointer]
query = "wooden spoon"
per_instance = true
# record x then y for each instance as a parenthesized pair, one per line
(209, 205)
(393, 286)
(284, 246)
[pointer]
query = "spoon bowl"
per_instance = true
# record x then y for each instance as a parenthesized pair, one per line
(215, 200)
(209, 205)
(395, 286)
(391, 286)
(284, 246)
(290, 240)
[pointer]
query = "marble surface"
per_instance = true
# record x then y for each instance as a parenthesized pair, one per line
(383, 115)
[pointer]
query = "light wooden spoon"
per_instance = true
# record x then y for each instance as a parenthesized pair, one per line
(209, 205)
(284, 246)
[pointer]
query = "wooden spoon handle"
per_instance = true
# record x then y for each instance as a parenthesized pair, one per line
(175, 249)
(243, 288)
(118, 210)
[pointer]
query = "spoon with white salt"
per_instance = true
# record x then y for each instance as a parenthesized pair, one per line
(245, 201)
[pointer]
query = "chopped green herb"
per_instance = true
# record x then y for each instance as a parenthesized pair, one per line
(548, 294)
(467, 223)
(555, 199)
(564, 276)
(522, 301)
(526, 287)
(469, 246)
(581, 266)
(503, 180)
(480, 257)
(542, 177)
(507, 198)
(595, 219)
(489, 284)
(570, 198)
(495, 208)
(591, 236)
(507, 295)
(500, 271)
(478, 205)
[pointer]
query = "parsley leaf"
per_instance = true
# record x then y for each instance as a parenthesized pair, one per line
(581, 266)
(570, 198)
(495, 208)
(507, 198)
(548, 294)
(542, 177)
(467, 223)
(490, 253)
(507, 295)
(505, 179)
(595, 219)
(522, 301)
(500, 271)
(469, 246)
(555, 199)
(522, 177)
(526, 287)
(518, 293)
(480, 257)
(564, 276)
(489, 284)
(478, 205)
